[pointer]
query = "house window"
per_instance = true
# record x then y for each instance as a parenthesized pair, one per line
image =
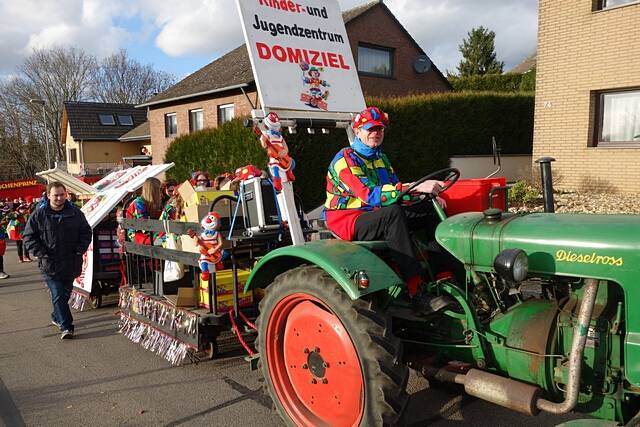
(170, 124)
(107, 119)
(375, 61)
(73, 155)
(125, 120)
(608, 4)
(618, 117)
(225, 113)
(196, 120)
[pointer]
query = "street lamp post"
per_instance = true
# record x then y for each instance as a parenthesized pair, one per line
(44, 122)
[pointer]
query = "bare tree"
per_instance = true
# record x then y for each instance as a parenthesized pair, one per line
(21, 146)
(121, 79)
(53, 75)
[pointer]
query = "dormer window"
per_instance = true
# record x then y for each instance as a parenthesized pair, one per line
(107, 119)
(125, 120)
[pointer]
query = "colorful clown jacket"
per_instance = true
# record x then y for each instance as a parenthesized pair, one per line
(137, 209)
(356, 184)
(16, 225)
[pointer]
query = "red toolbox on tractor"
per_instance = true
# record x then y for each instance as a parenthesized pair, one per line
(472, 195)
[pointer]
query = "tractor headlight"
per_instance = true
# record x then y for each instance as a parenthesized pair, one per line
(512, 265)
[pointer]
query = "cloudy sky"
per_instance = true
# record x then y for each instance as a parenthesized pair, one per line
(182, 36)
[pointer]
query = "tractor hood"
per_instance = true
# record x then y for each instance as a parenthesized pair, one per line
(600, 246)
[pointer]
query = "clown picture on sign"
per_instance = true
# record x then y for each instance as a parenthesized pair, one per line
(316, 94)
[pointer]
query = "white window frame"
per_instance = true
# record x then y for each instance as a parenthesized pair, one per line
(603, 120)
(167, 130)
(361, 62)
(104, 115)
(73, 152)
(192, 127)
(223, 107)
(125, 115)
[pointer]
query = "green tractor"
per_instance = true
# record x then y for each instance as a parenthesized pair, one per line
(543, 321)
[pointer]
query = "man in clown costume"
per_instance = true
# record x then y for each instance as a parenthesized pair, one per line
(363, 203)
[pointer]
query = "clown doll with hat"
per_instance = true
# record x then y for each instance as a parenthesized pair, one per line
(209, 244)
(15, 228)
(280, 164)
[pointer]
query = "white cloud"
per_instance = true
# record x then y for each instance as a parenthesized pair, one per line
(212, 27)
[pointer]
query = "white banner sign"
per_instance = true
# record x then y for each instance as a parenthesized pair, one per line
(110, 191)
(301, 56)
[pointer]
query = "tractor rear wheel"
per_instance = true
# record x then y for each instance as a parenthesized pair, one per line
(326, 359)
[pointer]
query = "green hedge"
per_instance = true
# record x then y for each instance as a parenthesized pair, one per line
(510, 82)
(424, 132)
(216, 150)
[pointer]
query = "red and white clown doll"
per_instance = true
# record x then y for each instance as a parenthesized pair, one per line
(280, 164)
(209, 243)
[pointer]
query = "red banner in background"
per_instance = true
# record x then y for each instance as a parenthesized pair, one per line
(25, 188)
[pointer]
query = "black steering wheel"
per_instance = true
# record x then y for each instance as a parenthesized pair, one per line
(449, 174)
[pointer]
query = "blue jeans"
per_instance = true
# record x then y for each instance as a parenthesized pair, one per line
(60, 293)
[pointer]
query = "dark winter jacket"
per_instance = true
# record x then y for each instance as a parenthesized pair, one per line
(58, 239)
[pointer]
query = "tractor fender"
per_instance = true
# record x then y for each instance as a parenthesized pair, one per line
(341, 259)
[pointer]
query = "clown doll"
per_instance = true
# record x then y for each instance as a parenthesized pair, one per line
(280, 164)
(209, 243)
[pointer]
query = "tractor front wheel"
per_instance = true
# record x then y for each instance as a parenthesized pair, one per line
(326, 359)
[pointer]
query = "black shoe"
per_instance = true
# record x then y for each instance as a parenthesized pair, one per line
(424, 303)
(54, 323)
(66, 335)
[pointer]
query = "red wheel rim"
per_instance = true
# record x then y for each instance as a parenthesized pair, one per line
(313, 364)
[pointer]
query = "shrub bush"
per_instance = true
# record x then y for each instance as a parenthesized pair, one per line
(523, 194)
(215, 150)
(509, 82)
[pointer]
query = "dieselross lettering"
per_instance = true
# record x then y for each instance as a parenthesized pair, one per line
(592, 258)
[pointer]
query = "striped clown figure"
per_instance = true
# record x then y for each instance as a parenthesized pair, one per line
(280, 164)
(209, 244)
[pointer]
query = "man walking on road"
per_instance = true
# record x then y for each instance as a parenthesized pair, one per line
(58, 234)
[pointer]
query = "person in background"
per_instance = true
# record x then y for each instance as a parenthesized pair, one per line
(71, 197)
(200, 180)
(148, 206)
(15, 229)
(58, 234)
(4, 221)
(173, 204)
(169, 189)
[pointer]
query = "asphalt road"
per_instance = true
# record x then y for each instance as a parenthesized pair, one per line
(102, 379)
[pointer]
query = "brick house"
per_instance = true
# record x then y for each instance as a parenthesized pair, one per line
(587, 113)
(384, 52)
(91, 132)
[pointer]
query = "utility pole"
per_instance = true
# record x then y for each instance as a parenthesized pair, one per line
(44, 122)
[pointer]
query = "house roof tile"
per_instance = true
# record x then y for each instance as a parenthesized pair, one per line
(138, 133)
(85, 124)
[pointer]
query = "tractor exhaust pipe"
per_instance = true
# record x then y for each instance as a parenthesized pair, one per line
(547, 182)
(523, 397)
(502, 391)
(577, 349)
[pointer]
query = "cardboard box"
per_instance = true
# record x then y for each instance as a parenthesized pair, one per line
(195, 213)
(191, 196)
(188, 245)
(186, 297)
(224, 286)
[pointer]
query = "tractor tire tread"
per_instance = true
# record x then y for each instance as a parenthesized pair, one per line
(385, 376)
